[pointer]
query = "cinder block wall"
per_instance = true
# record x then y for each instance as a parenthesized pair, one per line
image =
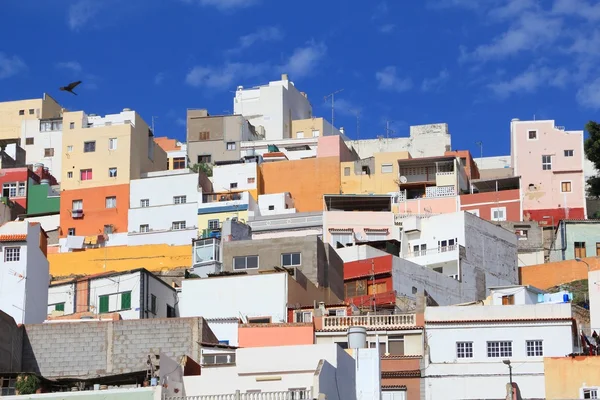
(11, 344)
(109, 347)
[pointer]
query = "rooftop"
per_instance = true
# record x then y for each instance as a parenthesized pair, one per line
(357, 202)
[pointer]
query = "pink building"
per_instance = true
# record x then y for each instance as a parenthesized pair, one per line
(549, 160)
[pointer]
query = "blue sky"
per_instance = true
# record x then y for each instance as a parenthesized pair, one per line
(474, 64)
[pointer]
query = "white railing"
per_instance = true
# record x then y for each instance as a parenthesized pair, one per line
(446, 173)
(436, 250)
(439, 191)
(369, 321)
(287, 395)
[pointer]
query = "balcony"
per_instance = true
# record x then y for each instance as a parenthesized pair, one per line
(223, 202)
(379, 299)
(287, 395)
(213, 198)
(373, 322)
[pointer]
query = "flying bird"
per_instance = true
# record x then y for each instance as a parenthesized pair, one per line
(69, 88)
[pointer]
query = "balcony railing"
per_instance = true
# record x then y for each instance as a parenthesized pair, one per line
(433, 192)
(213, 198)
(378, 299)
(436, 250)
(391, 321)
(287, 395)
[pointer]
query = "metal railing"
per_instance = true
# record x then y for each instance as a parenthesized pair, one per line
(436, 250)
(369, 321)
(287, 395)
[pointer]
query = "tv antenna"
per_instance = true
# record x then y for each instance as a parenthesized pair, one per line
(332, 95)
(388, 130)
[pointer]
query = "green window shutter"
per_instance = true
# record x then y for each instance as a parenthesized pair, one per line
(59, 307)
(125, 300)
(103, 304)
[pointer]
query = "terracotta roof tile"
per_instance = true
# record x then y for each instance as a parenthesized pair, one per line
(21, 237)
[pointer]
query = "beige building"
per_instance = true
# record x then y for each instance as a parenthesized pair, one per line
(12, 113)
(215, 138)
(377, 174)
(313, 127)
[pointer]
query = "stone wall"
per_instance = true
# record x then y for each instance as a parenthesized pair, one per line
(11, 343)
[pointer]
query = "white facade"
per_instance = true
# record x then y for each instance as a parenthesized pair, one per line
(158, 202)
(274, 204)
(294, 149)
(594, 296)
(225, 329)
(272, 107)
(468, 344)
(234, 177)
(286, 225)
(118, 287)
(42, 142)
(496, 162)
(24, 272)
(127, 116)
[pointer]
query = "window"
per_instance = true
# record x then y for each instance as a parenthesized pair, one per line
(49, 126)
(387, 168)
(112, 172)
(21, 112)
(259, 320)
(111, 202)
(316, 133)
(112, 143)
(49, 152)
(144, 228)
(546, 163)
(230, 145)
(373, 345)
(245, 262)
(179, 199)
(71, 232)
(568, 153)
(178, 225)
(179, 163)
(77, 205)
(420, 250)
(580, 250)
(464, 349)
(71, 125)
(532, 135)
(508, 300)
(271, 207)
(8, 386)
(171, 312)
(498, 214)
(59, 307)
(342, 238)
(535, 348)
(290, 259)
(70, 174)
(589, 393)
(9, 190)
(204, 159)
(31, 111)
(145, 203)
(565, 187)
(521, 234)
(12, 254)
(233, 185)
(300, 135)
(108, 229)
(376, 236)
(597, 249)
(396, 345)
(69, 149)
(153, 304)
(499, 349)
(303, 316)
(356, 288)
(203, 135)
(251, 180)
(213, 224)
(346, 171)
(29, 140)
(114, 302)
(85, 174)
(365, 170)
(89, 147)
(22, 192)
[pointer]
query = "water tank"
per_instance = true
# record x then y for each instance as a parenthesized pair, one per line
(45, 182)
(36, 166)
(126, 109)
(357, 337)
(515, 119)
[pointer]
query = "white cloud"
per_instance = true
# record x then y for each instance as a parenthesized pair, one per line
(304, 60)
(589, 95)
(345, 107)
(580, 8)
(224, 5)
(81, 12)
(10, 66)
(388, 28)
(159, 78)
(530, 80)
(441, 4)
(389, 81)
(430, 84)
(222, 77)
(513, 8)
(380, 11)
(267, 34)
(72, 66)
(180, 121)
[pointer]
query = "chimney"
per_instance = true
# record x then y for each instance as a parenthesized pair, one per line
(284, 77)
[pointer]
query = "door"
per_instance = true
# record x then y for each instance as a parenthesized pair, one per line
(393, 395)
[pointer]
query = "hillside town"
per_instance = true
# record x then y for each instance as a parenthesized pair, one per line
(270, 256)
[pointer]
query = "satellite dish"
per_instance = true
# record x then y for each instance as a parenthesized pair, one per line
(403, 179)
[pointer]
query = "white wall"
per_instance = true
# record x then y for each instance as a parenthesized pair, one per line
(531, 258)
(368, 374)
(224, 175)
(172, 238)
(246, 295)
(48, 222)
(165, 295)
(99, 120)
(594, 295)
(117, 284)
(492, 162)
(225, 329)
(282, 203)
(482, 377)
(62, 294)
(41, 141)
(523, 296)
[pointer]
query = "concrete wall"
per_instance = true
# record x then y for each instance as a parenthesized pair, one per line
(140, 393)
(35, 152)
(567, 376)
(569, 232)
(11, 344)
(594, 298)
(103, 348)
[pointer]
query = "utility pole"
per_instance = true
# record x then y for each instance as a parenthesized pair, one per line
(387, 129)
(332, 95)
(153, 117)
(480, 144)
(357, 115)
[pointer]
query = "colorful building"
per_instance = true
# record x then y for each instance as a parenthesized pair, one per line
(572, 377)
(549, 160)
(13, 113)
(368, 283)
(101, 155)
(176, 152)
(575, 238)
(17, 182)
(313, 127)
(496, 199)
(376, 175)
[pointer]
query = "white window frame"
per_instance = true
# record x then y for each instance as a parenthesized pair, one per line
(180, 199)
(570, 186)
(12, 189)
(300, 135)
(12, 254)
(69, 149)
(500, 349)
(245, 263)
(211, 222)
(21, 191)
(498, 209)
(110, 201)
(112, 143)
(144, 228)
(70, 174)
(71, 232)
(569, 153)
(178, 225)
(342, 235)
(316, 133)
(593, 391)
(110, 172)
(464, 349)
(230, 146)
(291, 255)
(534, 348)
(77, 205)
(546, 163)
(302, 316)
(376, 236)
(145, 203)
(387, 168)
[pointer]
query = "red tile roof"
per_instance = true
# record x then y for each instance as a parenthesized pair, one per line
(21, 237)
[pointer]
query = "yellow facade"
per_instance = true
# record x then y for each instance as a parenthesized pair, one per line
(380, 181)
(566, 377)
(221, 216)
(120, 258)
(304, 128)
(128, 154)
(12, 113)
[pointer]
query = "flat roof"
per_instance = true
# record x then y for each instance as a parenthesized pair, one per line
(358, 202)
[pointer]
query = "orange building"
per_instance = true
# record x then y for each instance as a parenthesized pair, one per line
(545, 276)
(104, 210)
(572, 377)
(267, 335)
(466, 160)
(307, 180)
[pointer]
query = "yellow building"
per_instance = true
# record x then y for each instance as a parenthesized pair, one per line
(377, 174)
(572, 377)
(312, 127)
(12, 113)
(218, 207)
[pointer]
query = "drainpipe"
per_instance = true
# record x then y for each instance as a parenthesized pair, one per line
(563, 239)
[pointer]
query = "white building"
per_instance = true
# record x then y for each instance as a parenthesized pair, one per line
(163, 208)
(271, 108)
(292, 149)
(286, 225)
(594, 296)
(136, 294)
(469, 344)
(24, 272)
(234, 176)
(42, 141)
